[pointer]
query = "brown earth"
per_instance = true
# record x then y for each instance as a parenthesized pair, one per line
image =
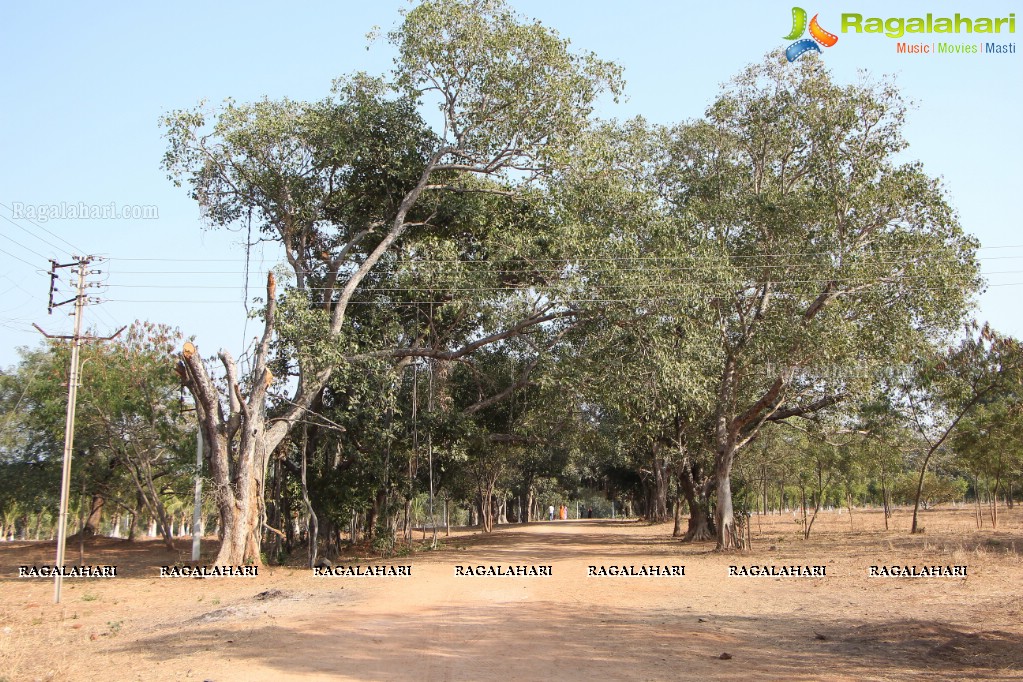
(286, 624)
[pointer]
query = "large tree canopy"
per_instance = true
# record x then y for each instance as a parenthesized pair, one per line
(488, 292)
(834, 257)
(344, 183)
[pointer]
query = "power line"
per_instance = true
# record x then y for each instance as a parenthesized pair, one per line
(568, 265)
(13, 241)
(644, 299)
(448, 287)
(55, 236)
(592, 259)
(31, 265)
(31, 294)
(32, 234)
(24, 392)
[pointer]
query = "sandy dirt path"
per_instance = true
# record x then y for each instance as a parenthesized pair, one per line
(435, 625)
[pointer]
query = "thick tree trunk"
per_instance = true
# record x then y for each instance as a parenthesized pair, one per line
(724, 516)
(728, 532)
(725, 434)
(701, 527)
(696, 489)
(238, 443)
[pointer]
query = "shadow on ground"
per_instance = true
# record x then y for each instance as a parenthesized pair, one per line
(527, 640)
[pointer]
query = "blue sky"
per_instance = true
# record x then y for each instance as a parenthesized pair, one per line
(84, 86)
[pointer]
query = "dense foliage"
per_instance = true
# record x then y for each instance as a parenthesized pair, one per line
(520, 306)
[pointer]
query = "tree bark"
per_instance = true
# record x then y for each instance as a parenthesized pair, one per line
(677, 530)
(724, 514)
(696, 489)
(95, 518)
(238, 443)
(657, 510)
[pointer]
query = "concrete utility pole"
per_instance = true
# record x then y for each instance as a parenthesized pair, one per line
(72, 399)
(69, 423)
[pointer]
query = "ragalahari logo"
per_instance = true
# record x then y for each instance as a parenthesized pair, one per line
(818, 35)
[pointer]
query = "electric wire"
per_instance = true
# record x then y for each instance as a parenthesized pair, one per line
(590, 259)
(34, 235)
(32, 251)
(52, 234)
(31, 265)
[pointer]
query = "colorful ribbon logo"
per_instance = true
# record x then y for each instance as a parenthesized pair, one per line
(818, 35)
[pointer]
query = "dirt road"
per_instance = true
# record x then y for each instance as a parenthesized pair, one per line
(437, 624)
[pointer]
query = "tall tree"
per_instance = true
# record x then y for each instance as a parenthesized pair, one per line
(832, 257)
(341, 183)
(949, 385)
(132, 444)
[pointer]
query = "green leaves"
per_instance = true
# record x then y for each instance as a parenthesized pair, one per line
(129, 426)
(510, 92)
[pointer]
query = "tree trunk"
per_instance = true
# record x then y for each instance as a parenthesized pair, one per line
(764, 488)
(979, 516)
(275, 515)
(994, 503)
(725, 446)
(406, 522)
(701, 526)
(133, 522)
(657, 507)
(696, 489)
(237, 441)
(919, 493)
(728, 536)
(677, 530)
(885, 500)
(486, 510)
(92, 523)
(313, 532)
(724, 515)
(502, 511)
(994, 494)
(374, 513)
(802, 505)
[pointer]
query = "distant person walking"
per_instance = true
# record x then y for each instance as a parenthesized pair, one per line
(564, 512)
(550, 512)
(589, 512)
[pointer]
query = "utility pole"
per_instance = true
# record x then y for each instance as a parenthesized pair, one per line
(69, 429)
(72, 398)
